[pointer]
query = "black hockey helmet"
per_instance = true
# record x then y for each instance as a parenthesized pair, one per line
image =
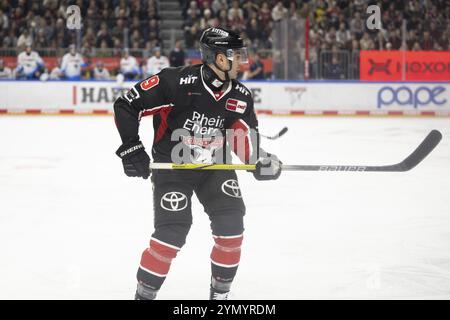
(218, 40)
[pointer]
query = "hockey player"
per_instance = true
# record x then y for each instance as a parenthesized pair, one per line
(100, 72)
(5, 72)
(72, 63)
(129, 66)
(29, 64)
(200, 99)
(156, 63)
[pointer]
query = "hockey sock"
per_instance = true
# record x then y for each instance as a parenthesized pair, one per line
(155, 264)
(225, 257)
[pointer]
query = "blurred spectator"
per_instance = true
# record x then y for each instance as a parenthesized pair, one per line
(364, 43)
(122, 9)
(249, 7)
(100, 72)
(129, 66)
(24, 39)
(4, 20)
(222, 18)
(177, 55)
(71, 65)
(416, 47)
(236, 17)
(103, 35)
(253, 30)
(5, 72)
(193, 10)
(29, 64)
(412, 38)
(207, 20)
(279, 12)
(395, 39)
(191, 37)
(218, 5)
(256, 71)
(357, 25)
(427, 42)
(156, 63)
(265, 14)
(334, 70)
(235, 12)
(343, 35)
(118, 29)
(41, 39)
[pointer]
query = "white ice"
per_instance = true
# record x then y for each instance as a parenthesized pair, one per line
(73, 226)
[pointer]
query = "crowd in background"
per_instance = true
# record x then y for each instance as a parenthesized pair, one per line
(338, 23)
(43, 24)
(334, 25)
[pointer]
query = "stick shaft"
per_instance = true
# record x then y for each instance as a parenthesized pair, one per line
(192, 166)
(420, 153)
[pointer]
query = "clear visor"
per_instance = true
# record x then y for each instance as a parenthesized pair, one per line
(238, 55)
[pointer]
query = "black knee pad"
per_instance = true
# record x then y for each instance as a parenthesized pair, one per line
(227, 223)
(173, 234)
(172, 204)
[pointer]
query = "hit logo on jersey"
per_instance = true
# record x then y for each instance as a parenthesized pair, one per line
(236, 105)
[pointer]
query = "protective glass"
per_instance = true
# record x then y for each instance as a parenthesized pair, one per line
(238, 55)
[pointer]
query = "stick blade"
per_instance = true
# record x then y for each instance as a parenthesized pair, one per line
(422, 151)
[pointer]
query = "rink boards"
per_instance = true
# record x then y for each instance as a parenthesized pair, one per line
(312, 98)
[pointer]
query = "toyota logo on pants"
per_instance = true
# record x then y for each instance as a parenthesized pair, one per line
(231, 188)
(174, 201)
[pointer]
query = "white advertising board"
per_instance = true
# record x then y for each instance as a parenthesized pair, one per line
(270, 97)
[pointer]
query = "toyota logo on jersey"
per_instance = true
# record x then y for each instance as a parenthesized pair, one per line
(236, 105)
(231, 188)
(174, 201)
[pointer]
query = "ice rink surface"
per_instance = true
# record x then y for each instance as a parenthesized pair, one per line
(73, 226)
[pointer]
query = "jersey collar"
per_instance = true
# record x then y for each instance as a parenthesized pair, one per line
(218, 95)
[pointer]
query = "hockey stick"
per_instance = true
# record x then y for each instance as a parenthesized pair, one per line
(423, 150)
(279, 134)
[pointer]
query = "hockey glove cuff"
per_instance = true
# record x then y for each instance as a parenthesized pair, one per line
(136, 162)
(268, 167)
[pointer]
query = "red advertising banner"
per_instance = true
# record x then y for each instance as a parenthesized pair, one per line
(408, 65)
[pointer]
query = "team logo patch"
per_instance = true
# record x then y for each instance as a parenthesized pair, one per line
(149, 83)
(231, 188)
(174, 201)
(236, 105)
(131, 95)
(216, 83)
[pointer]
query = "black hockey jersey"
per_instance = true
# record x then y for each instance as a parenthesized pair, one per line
(183, 98)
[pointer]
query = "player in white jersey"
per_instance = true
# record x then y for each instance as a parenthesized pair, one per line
(72, 63)
(156, 63)
(129, 66)
(5, 72)
(100, 72)
(29, 64)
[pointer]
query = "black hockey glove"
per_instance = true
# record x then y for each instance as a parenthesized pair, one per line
(268, 167)
(136, 162)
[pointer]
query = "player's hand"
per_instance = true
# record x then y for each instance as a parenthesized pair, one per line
(268, 167)
(136, 162)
